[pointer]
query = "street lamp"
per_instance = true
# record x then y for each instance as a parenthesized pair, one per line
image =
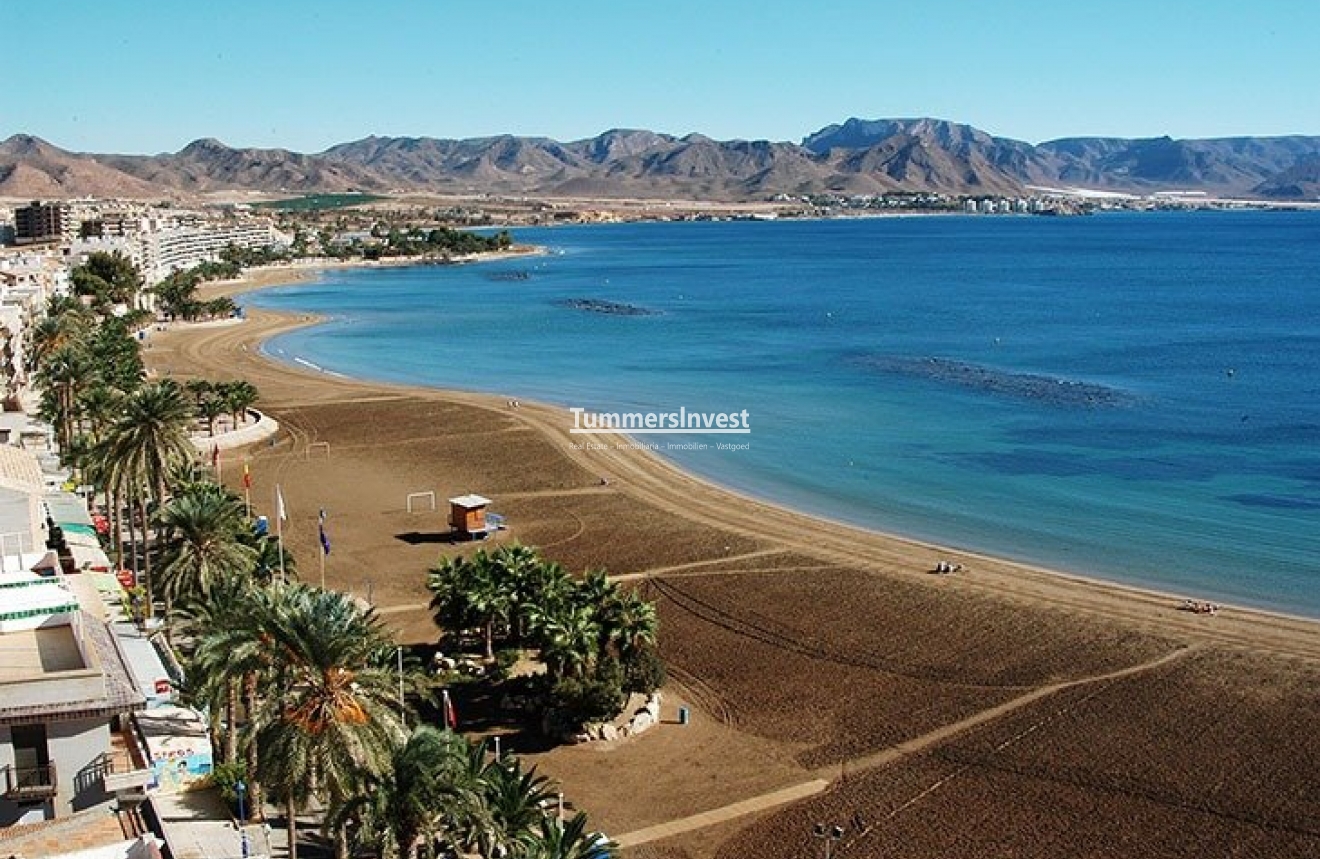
(241, 789)
(403, 713)
(829, 834)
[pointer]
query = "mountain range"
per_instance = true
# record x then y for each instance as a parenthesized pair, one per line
(854, 157)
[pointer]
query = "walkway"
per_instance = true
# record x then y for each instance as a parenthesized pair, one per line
(782, 796)
(879, 759)
(197, 825)
(227, 438)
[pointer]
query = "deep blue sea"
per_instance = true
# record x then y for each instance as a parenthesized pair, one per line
(1134, 397)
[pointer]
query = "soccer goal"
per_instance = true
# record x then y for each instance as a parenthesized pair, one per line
(419, 496)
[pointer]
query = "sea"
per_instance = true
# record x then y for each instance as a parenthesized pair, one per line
(1131, 396)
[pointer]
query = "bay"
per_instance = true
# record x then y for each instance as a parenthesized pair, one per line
(1129, 396)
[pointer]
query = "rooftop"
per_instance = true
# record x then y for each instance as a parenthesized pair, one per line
(35, 653)
(69, 671)
(19, 469)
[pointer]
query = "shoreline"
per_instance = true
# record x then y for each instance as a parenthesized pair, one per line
(654, 481)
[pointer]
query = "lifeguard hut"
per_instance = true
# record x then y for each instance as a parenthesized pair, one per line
(468, 517)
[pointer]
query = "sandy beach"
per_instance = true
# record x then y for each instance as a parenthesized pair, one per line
(1003, 709)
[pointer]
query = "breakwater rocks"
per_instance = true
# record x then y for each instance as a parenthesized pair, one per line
(641, 713)
(609, 308)
(1050, 390)
(500, 276)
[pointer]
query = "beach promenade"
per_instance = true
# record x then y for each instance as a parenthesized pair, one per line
(833, 678)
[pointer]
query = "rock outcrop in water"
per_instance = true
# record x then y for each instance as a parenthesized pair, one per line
(609, 308)
(1028, 386)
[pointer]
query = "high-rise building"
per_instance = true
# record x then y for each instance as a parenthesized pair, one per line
(42, 222)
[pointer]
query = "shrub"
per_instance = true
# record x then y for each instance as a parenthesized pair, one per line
(226, 776)
(588, 699)
(505, 659)
(643, 671)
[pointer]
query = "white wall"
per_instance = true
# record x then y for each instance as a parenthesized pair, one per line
(78, 748)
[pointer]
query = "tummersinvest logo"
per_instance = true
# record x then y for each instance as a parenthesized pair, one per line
(681, 422)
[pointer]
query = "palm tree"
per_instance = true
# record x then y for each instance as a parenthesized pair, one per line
(61, 374)
(332, 718)
(238, 396)
(205, 548)
(210, 407)
(516, 800)
(569, 636)
(97, 407)
(234, 651)
(66, 322)
(470, 592)
(569, 839)
(268, 563)
(150, 437)
(531, 581)
(628, 623)
(216, 667)
(425, 798)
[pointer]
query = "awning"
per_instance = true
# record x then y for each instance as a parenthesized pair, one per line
(49, 561)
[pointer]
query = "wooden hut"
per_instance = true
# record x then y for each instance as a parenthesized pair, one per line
(467, 516)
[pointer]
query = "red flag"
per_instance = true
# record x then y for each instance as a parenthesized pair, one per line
(247, 477)
(451, 718)
(215, 456)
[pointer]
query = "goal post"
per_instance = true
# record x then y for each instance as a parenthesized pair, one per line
(419, 496)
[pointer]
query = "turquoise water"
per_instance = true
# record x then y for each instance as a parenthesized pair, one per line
(1130, 396)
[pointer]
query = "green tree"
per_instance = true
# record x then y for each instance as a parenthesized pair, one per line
(65, 323)
(61, 376)
(148, 440)
(176, 295)
(271, 558)
(426, 798)
(569, 637)
(209, 407)
(238, 396)
(470, 592)
(116, 358)
(220, 658)
(628, 622)
(204, 546)
(331, 719)
(516, 801)
(570, 839)
(108, 278)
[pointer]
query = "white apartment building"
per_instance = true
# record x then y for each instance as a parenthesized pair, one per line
(171, 249)
(63, 677)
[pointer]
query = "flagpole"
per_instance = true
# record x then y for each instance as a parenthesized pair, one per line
(403, 715)
(324, 541)
(279, 527)
(247, 490)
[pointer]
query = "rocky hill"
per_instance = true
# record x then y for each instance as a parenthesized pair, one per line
(854, 157)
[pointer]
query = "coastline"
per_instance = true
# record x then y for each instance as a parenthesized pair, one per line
(813, 667)
(651, 480)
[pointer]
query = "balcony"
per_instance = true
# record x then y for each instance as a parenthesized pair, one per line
(125, 769)
(30, 784)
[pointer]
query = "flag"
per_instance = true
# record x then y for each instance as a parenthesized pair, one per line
(325, 541)
(280, 513)
(451, 718)
(247, 477)
(215, 457)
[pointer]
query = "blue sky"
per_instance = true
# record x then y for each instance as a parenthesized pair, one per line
(146, 77)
